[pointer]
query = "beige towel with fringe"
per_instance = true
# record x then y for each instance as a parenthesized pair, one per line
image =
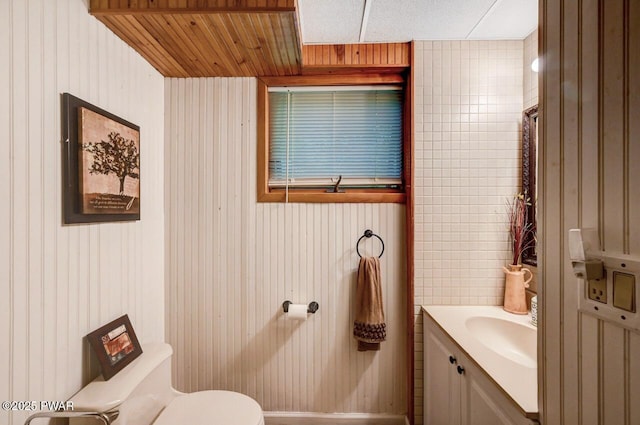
(369, 327)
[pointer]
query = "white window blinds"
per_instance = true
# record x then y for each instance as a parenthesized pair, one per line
(320, 133)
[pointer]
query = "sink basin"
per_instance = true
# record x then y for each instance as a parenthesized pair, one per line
(514, 341)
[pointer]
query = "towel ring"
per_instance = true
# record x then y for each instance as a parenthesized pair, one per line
(367, 234)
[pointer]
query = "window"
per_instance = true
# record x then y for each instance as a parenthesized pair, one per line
(320, 133)
(313, 136)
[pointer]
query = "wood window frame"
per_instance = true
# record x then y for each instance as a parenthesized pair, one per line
(267, 194)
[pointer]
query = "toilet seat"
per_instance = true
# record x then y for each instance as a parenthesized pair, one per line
(212, 408)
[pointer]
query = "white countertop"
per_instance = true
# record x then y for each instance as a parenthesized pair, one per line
(520, 382)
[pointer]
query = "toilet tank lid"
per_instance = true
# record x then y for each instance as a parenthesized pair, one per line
(103, 396)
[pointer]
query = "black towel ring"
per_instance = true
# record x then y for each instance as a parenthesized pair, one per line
(367, 234)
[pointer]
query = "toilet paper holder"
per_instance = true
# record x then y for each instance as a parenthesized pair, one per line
(313, 306)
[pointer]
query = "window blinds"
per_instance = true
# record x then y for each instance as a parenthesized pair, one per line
(320, 133)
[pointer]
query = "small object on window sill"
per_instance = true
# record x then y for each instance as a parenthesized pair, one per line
(335, 188)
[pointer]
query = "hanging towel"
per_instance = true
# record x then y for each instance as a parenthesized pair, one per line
(369, 327)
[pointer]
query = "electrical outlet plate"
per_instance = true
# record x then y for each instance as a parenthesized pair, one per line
(597, 290)
(600, 304)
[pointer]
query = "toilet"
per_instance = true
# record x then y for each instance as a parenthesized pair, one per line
(141, 394)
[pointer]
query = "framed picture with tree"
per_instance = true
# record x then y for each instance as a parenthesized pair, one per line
(101, 164)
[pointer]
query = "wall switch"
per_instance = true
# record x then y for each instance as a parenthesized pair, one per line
(624, 291)
(614, 297)
(598, 290)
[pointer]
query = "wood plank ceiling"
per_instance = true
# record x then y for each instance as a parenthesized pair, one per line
(208, 38)
(235, 38)
(355, 58)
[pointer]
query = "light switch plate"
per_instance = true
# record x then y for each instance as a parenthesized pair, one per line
(615, 304)
(624, 291)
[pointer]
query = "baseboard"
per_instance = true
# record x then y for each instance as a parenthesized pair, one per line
(309, 418)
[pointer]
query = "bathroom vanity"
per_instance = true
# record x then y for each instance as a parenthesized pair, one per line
(479, 367)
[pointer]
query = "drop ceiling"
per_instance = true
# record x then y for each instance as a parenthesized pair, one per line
(379, 21)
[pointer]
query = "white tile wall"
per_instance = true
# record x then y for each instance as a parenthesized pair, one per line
(530, 81)
(468, 113)
(468, 106)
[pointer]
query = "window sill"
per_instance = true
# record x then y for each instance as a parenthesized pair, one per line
(321, 196)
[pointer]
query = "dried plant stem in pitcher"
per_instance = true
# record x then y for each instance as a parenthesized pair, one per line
(519, 228)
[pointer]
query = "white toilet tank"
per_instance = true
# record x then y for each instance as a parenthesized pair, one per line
(139, 392)
(142, 394)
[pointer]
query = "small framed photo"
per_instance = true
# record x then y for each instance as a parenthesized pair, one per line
(101, 164)
(115, 345)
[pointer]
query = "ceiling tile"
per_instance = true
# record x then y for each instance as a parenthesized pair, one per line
(338, 21)
(404, 20)
(330, 21)
(508, 19)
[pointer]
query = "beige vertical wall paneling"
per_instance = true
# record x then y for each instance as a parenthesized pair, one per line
(633, 370)
(231, 262)
(612, 172)
(570, 133)
(19, 371)
(589, 210)
(35, 196)
(6, 174)
(60, 282)
(551, 239)
(633, 16)
(589, 117)
(589, 369)
(51, 190)
(633, 213)
(592, 85)
(468, 108)
(612, 125)
(612, 365)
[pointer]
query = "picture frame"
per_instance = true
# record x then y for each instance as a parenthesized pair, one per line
(101, 164)
(529, 181)
(115, 345)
